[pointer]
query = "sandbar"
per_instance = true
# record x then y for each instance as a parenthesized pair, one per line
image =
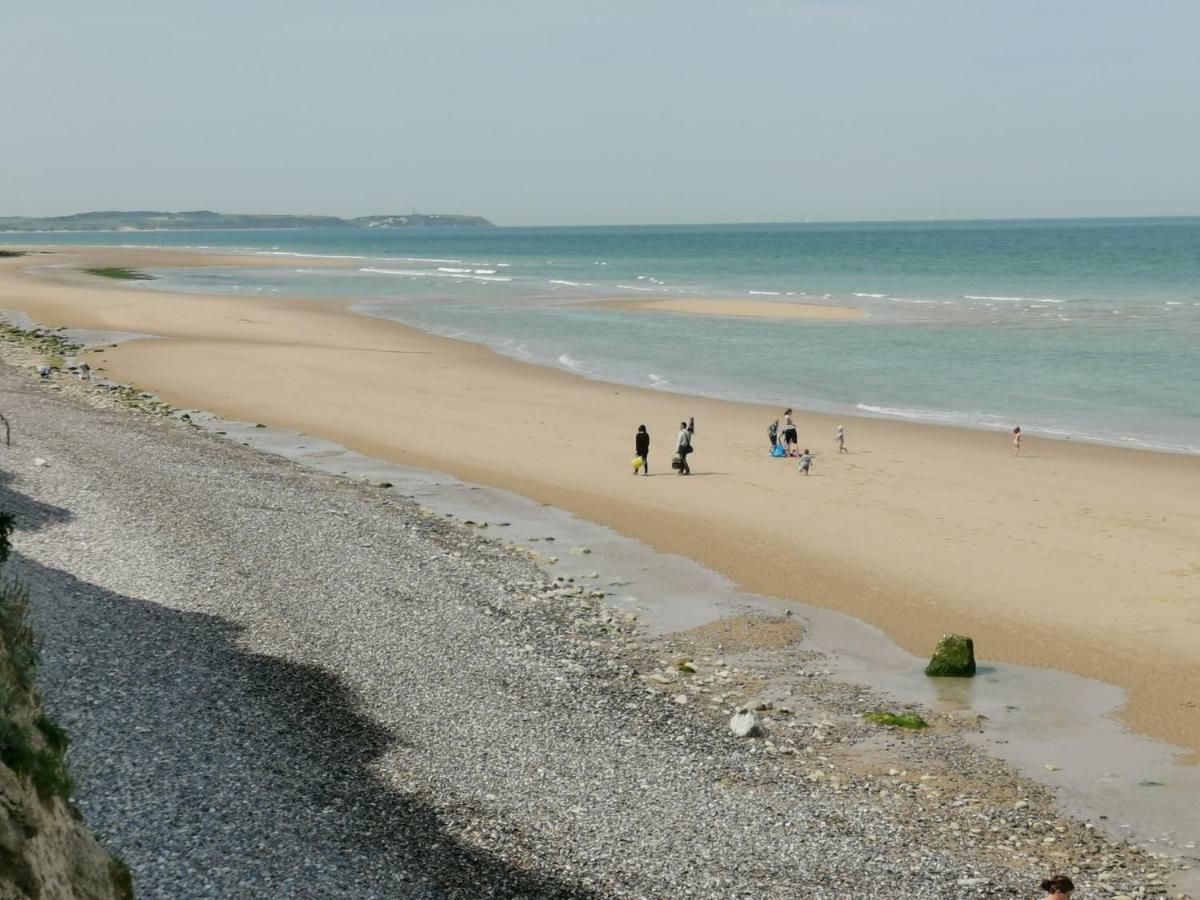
(1077, 557)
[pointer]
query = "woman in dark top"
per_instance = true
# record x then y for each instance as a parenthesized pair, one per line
(641, 447)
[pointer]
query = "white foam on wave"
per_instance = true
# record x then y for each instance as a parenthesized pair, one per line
(1014, 299)
(1000, 423)
(572, 364)
(634, 287)
(907, 300)
(440, 273)
(874, 296)
(571, 283)
(516, 348)
(765, 293)
(374, 270)
(658, 381)
(454, 271)
(303, 255)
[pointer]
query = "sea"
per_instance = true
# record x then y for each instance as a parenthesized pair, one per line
(1074, 329)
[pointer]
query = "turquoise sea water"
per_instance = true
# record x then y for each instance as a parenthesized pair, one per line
(1087, 329)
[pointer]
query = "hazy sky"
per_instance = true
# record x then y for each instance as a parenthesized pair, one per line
(562, 112)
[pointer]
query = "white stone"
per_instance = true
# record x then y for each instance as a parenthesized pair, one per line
(747, 723)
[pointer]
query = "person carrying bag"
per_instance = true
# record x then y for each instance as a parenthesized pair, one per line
(683, 447)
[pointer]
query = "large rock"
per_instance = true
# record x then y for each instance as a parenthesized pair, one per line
(954, 656)
(747, 723)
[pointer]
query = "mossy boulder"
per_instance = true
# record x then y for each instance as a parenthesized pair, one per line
(954, 656)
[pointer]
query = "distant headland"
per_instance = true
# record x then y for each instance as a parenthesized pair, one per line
(159, 221)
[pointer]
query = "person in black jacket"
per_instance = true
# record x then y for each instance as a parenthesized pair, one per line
(641, 447)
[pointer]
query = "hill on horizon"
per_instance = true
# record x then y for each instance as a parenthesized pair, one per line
(150, 220)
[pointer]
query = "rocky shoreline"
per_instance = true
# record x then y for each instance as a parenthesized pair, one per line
(285, 683)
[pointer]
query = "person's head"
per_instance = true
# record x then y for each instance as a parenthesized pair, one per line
(841, 428)
(1058, 886)
(788, 411)
(641, 428)
(683, 424)
(1017, 430)
(806, 451)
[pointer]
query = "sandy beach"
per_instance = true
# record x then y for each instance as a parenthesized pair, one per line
(1076, 557)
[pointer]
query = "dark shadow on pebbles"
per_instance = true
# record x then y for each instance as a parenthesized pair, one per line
(29, 514)
(180, 734)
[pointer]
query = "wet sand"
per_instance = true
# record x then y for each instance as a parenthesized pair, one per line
(1077, 557)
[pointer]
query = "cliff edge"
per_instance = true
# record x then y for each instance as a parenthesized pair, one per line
(46, 851)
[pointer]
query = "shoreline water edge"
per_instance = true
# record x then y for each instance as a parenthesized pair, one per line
(704, 648)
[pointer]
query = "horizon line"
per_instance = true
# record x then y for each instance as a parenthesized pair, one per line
(920, 221)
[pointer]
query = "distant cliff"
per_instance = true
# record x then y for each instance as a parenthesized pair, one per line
(155, 221)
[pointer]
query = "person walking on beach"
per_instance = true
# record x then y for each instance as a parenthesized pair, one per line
(790, 439)
(1059, 887)
(1017, 441)
(805, 462)
(683, 446)
(85, 372)
(641, 449)
(840, 438)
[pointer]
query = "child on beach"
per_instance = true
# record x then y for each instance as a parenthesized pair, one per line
(840, 438)
(1017, 441)
(805, 462)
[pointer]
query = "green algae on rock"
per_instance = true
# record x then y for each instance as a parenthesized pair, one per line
(907, 719)
(954, 656)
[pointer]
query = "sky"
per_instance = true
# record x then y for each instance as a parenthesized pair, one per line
(559, 112)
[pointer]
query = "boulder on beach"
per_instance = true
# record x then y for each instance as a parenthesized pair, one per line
(954, 656)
